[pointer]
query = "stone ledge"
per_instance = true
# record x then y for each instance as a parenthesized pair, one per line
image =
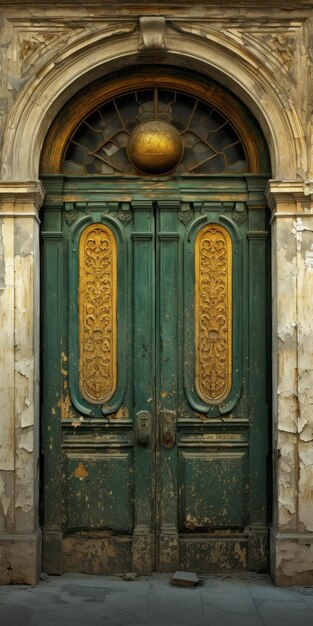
(18, 197)
(289, 198)
(20, 559)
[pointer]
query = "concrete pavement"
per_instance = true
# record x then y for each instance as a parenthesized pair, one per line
(245, 599)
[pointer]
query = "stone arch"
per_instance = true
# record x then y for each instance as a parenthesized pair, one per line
(219, 57)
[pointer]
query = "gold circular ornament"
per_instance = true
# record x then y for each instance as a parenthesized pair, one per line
(155, 147)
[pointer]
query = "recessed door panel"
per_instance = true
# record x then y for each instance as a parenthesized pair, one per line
(99, 491)
(213, 491)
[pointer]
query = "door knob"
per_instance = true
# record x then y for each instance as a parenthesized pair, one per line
(143, 427)
(168, 429)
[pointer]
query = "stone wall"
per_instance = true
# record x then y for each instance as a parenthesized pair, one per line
(19, 378)
(264, 55)
(292, 245)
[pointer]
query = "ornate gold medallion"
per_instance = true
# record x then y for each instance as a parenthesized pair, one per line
(155, 147)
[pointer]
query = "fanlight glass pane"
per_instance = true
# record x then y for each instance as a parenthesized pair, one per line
(211, 145)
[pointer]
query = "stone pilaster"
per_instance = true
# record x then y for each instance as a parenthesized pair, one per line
(292, 305)
(20, 537)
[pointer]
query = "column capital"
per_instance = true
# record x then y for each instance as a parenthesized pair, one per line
(290, 198)
(21, 199)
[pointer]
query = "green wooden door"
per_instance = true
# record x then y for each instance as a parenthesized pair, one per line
(154, 375)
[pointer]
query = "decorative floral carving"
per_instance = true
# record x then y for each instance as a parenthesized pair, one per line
(213, 313)
(30, 42)
(70, 213)
(185, 213)
(124, 213)
(282, 45)
(239, 213)
(279, 45)
(97, 314)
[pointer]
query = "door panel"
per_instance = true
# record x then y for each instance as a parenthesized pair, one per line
(154, 386)
(99, 491)
(213, 489)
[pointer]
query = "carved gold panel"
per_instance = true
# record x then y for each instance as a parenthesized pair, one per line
(213, 313)
(97, 314)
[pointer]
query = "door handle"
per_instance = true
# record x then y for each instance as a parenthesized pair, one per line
(143, 427)
(168, 428)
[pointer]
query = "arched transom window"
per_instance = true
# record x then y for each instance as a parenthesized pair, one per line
(155, 131)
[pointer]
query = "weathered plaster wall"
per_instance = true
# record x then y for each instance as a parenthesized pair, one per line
(292, 232)
(264, 54)
(6, 369)
(19, 532)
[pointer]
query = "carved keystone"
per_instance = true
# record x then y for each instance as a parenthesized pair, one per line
(152, 45)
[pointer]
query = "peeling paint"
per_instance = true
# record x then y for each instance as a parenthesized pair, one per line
(100, 555)
(294, 562)
(26, 441)
(65, 406)
(240, 555)
(23, 238)
(122, 413)
(309, 259)
(27, 415)
(77, 422)
(16, 83)
(5, 500)
(81, 471)
(25, 367)
(306, 433)
(142, 553)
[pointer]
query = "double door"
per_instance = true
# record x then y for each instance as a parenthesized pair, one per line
(154, 394)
